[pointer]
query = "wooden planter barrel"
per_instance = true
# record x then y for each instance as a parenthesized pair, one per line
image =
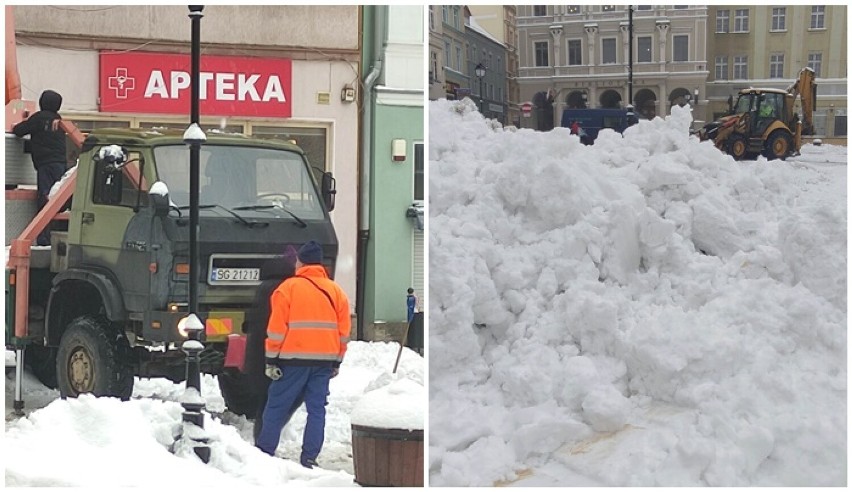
(387, 457)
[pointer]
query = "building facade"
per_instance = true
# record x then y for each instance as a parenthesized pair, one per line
(767, 46)
(109, 76)
(486, 55)
(456, 80)
(393, 186)
(580, 54)
(436, 79)
(500, 22)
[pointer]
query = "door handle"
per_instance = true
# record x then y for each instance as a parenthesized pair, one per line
(88, 217)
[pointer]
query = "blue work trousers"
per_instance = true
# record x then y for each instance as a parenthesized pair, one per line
(310, 381)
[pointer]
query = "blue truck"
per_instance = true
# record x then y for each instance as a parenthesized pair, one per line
(593, 121)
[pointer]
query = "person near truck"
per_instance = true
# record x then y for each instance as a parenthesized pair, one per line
(47, 141)
(306, 341)
(272, 273)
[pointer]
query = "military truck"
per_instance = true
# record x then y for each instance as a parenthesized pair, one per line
(104, 302)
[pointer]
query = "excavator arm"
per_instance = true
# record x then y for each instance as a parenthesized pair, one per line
(805, 88)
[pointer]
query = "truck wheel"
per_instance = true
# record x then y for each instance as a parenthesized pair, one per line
(92, 359)
(778, 145)
(42, 362)
(737, 147)
(237, 392)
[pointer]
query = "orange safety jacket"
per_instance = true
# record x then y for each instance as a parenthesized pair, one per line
(306, 327)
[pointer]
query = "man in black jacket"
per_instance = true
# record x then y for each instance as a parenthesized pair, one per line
(272, 273)
(48, 149)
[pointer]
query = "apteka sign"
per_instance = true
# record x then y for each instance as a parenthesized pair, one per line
(141, 82)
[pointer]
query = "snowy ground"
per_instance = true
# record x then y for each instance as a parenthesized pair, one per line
(104, 442)
(641, 312)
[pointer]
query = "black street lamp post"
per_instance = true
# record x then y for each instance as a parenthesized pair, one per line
(480, 72)
(192, 401)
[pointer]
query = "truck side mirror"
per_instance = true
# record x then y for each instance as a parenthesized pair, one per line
(159, 199)
(329, 190)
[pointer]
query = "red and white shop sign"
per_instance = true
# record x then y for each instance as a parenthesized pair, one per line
(228, 85)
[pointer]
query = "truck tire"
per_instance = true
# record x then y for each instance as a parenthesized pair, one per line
(737, 146)
(42, 362)
(778, 145)
(238, 393)
(92, 359)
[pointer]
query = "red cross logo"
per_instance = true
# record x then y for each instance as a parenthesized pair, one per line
(121, 83)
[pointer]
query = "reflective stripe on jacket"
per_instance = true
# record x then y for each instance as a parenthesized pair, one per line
(303, 325)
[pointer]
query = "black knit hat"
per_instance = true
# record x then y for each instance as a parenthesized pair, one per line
(310, 253)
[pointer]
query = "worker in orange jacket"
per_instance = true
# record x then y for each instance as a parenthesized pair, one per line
(306, 340)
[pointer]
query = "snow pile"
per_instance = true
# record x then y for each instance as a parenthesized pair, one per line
(399, 405)
(644, 311)
(102, 442)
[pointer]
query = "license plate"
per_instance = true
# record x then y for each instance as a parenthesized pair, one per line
(235, 275)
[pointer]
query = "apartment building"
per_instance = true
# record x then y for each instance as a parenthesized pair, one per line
(486, 57)
(767, 46)
(500, 22)
(436, 53)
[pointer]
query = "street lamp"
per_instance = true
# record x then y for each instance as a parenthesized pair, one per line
(480, 72)
(192, 401)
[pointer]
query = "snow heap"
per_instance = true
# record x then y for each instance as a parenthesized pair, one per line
(399, 405)
(647, 291)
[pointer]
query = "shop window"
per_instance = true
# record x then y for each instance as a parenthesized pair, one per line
(311, 140)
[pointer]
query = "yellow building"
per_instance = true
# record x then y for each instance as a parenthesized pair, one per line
(766, 46)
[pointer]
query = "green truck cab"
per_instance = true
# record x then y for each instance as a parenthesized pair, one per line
(108, 303)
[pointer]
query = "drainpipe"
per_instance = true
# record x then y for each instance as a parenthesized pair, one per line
(366, 163)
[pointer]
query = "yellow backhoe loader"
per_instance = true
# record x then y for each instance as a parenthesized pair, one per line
(763, 122)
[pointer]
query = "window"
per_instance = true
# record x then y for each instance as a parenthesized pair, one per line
(458, 58)
(721, 68)
(434, 66)
(741, 20)
(643, 49)
(681, 7)
(680, 46)
(818, 17)
(445, 13)
(499, 93)
(499, 67)
(539, 10)
(541, 49)
(740, 67)
(449, 55)
(607, 8)
(456, 17)
(311, 140)
(575, 52)
(644, 7)
(431, 17)
(608, 50)
(815, 62)
(419, 166)
(723, 20)
(779, 15)
(572, 9)
(776, 66)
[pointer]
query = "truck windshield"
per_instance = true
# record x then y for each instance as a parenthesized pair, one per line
(260, 181)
